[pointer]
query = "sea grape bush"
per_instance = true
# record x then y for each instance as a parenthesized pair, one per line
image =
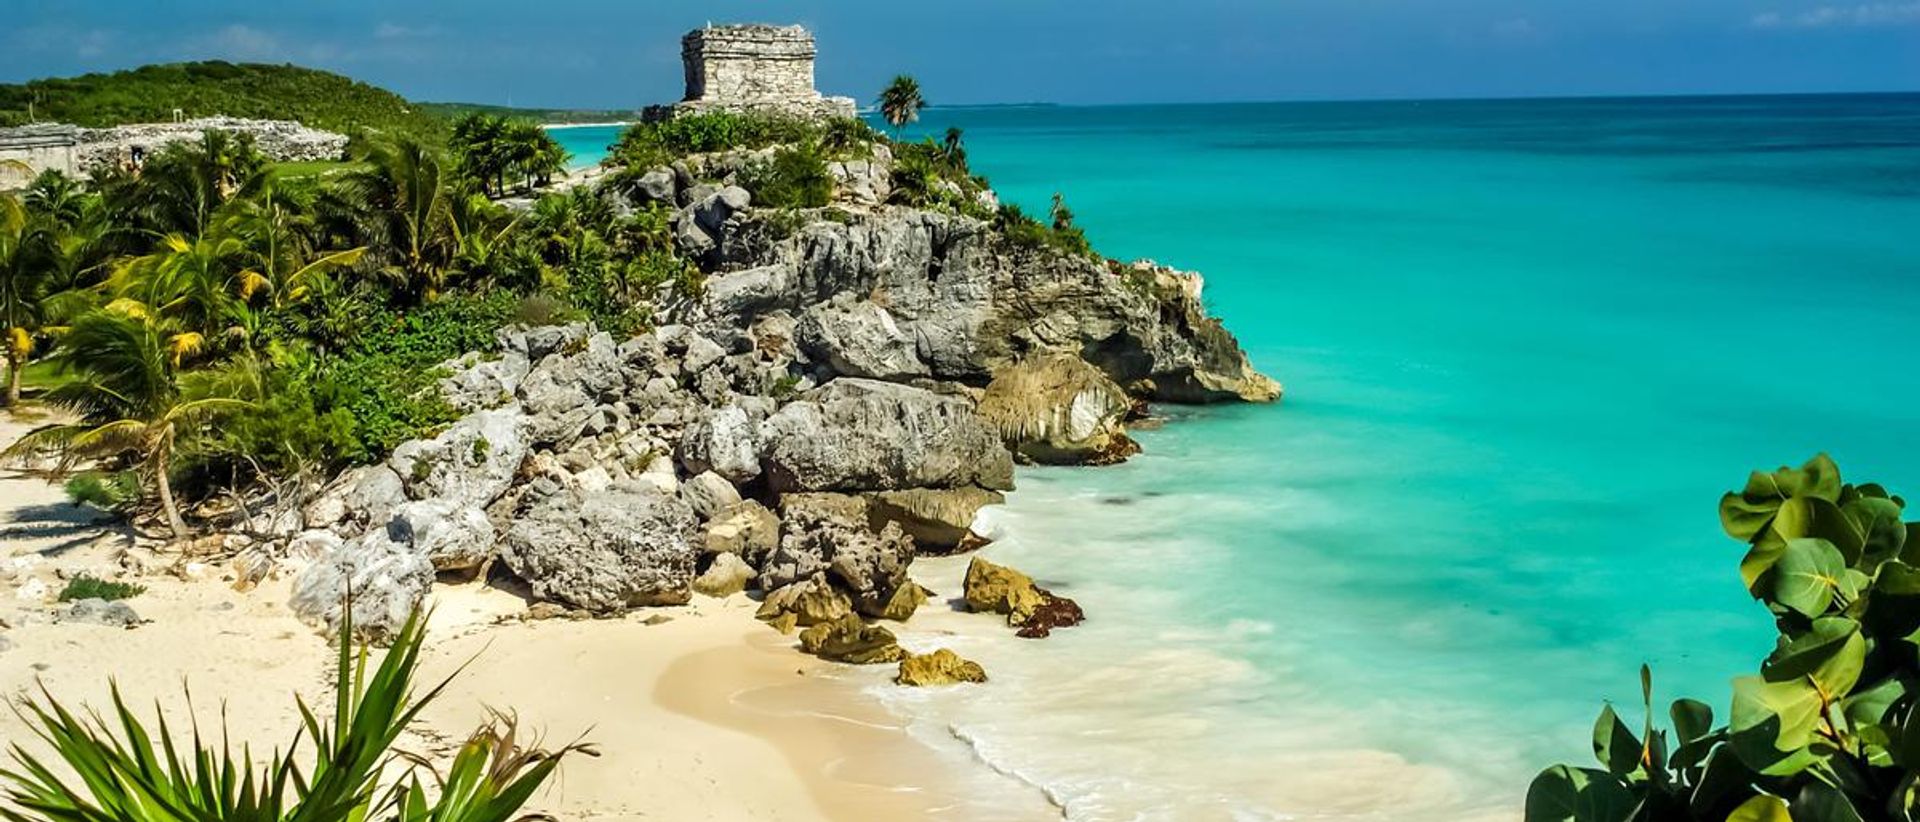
(1827, 730)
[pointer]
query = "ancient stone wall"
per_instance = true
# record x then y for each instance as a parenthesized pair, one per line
(752, 68)
(28, 150)
(78, 151)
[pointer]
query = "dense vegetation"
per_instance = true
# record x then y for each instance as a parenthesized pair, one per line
(213, 324)
(495, 152)
(340, 765)
(151, 94)
(1829, 729)
(304, 316)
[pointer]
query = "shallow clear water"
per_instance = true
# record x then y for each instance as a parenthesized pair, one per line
(1526, 346)
(585, 145)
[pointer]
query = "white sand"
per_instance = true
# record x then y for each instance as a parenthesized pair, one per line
(706, 716)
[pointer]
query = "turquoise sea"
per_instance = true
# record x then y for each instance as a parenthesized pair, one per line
(1526, 346)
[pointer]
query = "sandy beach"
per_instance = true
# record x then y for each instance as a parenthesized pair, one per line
(700, 712)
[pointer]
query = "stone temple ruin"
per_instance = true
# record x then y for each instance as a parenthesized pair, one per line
(751, 68)
(25, 151)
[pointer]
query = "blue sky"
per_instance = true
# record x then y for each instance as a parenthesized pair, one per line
(624, 53)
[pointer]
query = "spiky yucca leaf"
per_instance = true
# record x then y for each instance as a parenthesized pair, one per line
(122, 773)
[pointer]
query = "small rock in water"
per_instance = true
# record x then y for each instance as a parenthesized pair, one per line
(1057, 612)
(942, 667)
(99, 612)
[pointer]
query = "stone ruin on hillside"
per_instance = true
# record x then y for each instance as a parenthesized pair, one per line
(751, 68)
(26, 151)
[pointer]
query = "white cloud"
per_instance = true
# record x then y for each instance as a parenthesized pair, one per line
(1518, 28)
(1859, 16)
(396, 31)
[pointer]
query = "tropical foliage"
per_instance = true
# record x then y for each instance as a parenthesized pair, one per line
(1829, 728)
(340, 765)
(900, 102)
(493, 152)
(212, 322)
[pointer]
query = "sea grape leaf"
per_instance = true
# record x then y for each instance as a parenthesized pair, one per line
(1762, 808)
(1614, 744)
(1809, 575)
(1910, 552)
(1760, 559)
(1877, 519)
(1773, 722)
(1567, 794)
(1745, 513)
(1692, 719)
(1893, 608)
(1829, 656)
(1724, 778)
(1805, 516)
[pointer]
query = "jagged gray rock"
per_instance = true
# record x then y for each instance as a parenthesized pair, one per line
(707, 493)
(113, 614)
(829, 533)
(476, 381)
(746, 528)
(855, 435)
(938, 519)
(976, 302)
(726, 441)
(628, 546)
(469, 464)
(387, 580)
(857, 338)
(452, 537)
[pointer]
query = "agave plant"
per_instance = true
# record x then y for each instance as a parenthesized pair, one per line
(1829, 729)
(127, 774)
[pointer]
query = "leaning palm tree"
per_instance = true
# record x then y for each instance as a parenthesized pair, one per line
(900, 103)
(129, 400)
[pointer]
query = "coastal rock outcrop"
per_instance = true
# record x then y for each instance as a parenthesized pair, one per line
(998, 589)
(942, 667)
(626, 546)
(857, 434)
(1059, 410)
(852, 641)
(383, 578)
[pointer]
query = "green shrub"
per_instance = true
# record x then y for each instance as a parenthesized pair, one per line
(1027, 232)
(1829, 729)
(109, 490)
(340, 765)
(85, 586)
(544, 309)
(653, 144)
(795, 177)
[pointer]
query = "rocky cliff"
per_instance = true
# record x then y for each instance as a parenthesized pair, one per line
(852, 386)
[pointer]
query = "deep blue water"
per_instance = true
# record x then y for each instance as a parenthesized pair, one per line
(1526, 345)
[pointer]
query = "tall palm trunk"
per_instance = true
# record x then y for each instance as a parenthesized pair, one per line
(165, 487)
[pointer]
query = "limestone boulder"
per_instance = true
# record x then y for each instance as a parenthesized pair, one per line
(746, 528)
(942, 667)
(852, 641)
(999, 589)
(707, 493)
(726, 441)
(858, 338)
(820, 537)
(810, 602)
(938, 519)
(627, 546)
(728, 575)
(1059, 410)
(476, 381)
(470, 464)
(387, 580)
(456, 538)
(857, 434)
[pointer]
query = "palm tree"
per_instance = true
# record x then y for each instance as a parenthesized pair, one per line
(952, 151)
(128, 400)
(398, 207)
(278, 233)
(23, 281)
(900, 103)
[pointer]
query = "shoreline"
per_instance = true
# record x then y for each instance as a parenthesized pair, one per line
(608, 124)
(705, 714)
